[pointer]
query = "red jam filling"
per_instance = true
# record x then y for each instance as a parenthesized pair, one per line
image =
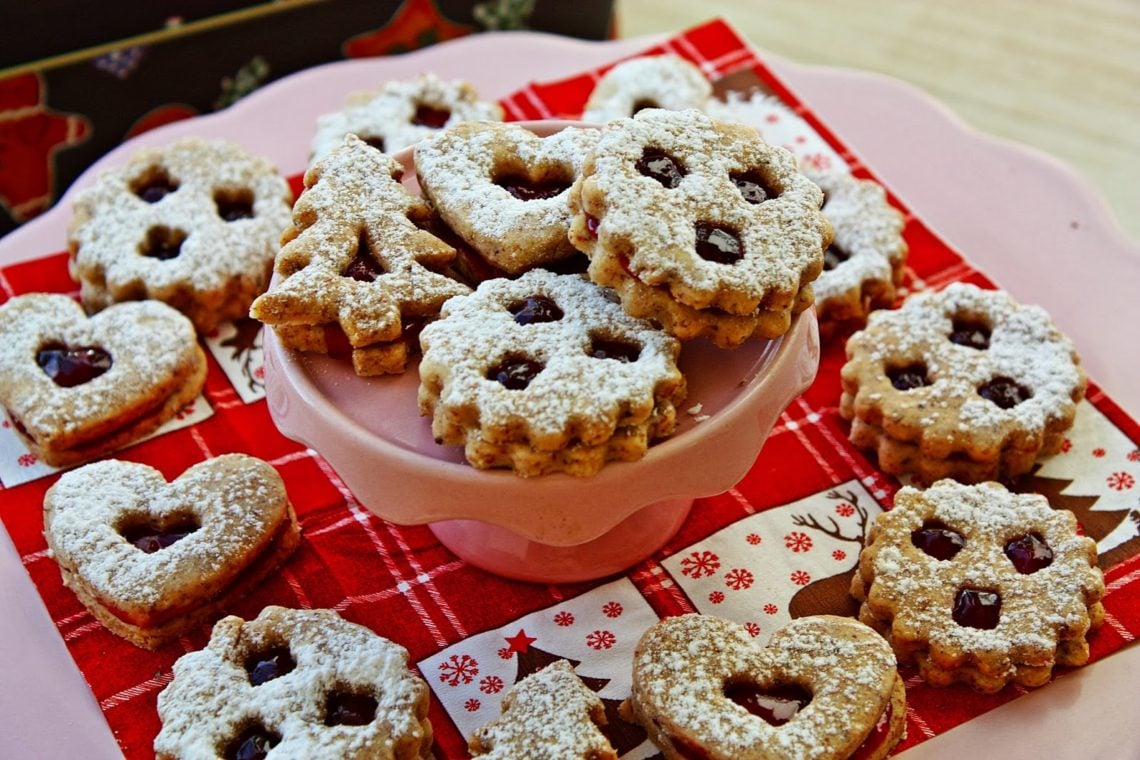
(937, 540)
(592, 225)
(909, 377)
(69, 366)
(162, 243)
(1005, 392)
(618, 350)
(347, 709)
(526, 190)
(977, 608)
(878, 736)
(536, 309)
(434, 118)
(515, 372)
(719, 245)
(1029, 553)
(659, 165)
(234, 205)
(157, 189)
(754, 186)
(364, 267)
(151, 538)
(253, 743)
(775, 706)
(266, 665)
(971, 333)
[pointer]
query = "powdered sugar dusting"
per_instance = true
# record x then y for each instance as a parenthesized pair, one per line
(660, 81)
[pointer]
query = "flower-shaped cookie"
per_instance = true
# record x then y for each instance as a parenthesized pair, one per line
(700, 225)
(400, 114)
(195, 224)
(504, 190)
(547, 373)
(964, 383)
(152, 559)
(294, 683)
(980, 585)
(823, 687)
(79, 387)
(655, 81)
(356, 267)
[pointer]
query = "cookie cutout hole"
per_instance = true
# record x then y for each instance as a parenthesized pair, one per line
(535, 309)
(774, 705)
(364, 267)
(526, 189)
(937, 540)
(264, 665)
(908, 376)
(433, 118)
(1005, 392)
(642, 104)
(834, 256)
(720, 245)
(346, 708)
(1029, 553)
(150, 536)
(755, 186)
(515, 372)
(162, 243)
(977, 608)
(624, 351)
(69, 366)
(253, 743)
(970, 332)
(234, 205)
(154, 185)
(659, 165)
(374, 142)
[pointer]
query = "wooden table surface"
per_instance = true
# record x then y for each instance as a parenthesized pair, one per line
(1062, 76)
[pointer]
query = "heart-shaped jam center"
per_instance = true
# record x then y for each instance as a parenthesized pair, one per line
(834, 256)
(619, 350)
(344, 708)
(152, 537)
(434, 118)
(937, 540)
(253, 743)
(754, 186)
(536, 309)
(234, 204)
(972, 333)
(156, 188)
(162, 243)
(364, 267)
(662, 167)
(69, 366)
(515, 372)
(977, 608)
(1029, 553)
(908, 377)
(719, 245)
(775, 705)
(265, 665)
(526, 189)
(1005, 392)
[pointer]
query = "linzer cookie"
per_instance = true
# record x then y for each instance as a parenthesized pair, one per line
(79, 387)
(503, 190)
(823, 687)
(294, 684)
(152, 559)
(547, 373)
(549, 715)
(400, 114)
(195, 224)
(658, 81)
(864, 263)
(357, 275)
(699, 225)
(964, 383)
(979, 585)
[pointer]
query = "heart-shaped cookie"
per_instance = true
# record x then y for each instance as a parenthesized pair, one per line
(823, 687)
(77, 387)
(151, 559)
(504, 190)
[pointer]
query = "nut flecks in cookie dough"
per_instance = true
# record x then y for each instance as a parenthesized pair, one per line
(400, 114)
(659, 81)
(195, 224)
(504, 190)
(348, 694)
(663, 210)
(1016, 598)
(702, 687)
(356, 263)
(549, 715)
(581, 385)
(931, 403)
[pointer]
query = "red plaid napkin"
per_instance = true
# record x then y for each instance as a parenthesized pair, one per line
(472, 634)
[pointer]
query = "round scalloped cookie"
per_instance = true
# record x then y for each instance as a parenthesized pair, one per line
(657, 81)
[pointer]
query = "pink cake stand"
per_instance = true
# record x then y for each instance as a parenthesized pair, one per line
(556, 528)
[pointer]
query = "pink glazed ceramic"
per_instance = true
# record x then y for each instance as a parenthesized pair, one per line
(555, 528)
